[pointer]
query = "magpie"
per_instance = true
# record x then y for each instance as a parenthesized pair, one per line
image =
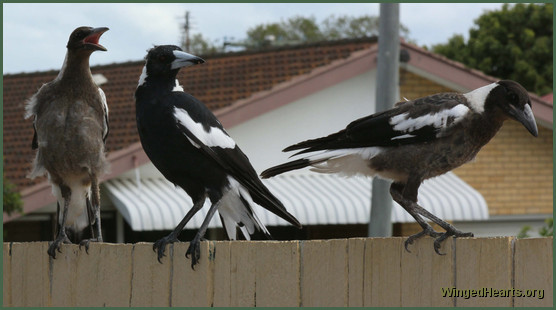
(189, 146)
(70, 129)
(417, 140)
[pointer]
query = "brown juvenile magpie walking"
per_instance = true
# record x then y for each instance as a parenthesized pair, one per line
(417, 140)
(71, 124)
(189, 146)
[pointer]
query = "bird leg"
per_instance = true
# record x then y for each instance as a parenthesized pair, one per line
(160, 245)
(93, 210)
(408, 200)
(396, 190)
(62, 236)
(450, 229)
(90, 216)
(195, 245)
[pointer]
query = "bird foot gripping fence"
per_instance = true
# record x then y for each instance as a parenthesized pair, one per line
(341, 272)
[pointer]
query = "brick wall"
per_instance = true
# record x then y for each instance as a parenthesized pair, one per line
(513, 171)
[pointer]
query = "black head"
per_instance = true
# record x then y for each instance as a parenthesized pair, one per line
(86, 39)
(514, 100)
(166, 60)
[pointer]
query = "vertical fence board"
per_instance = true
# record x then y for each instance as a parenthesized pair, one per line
(277, 274)
(483, 264)
(356, 271)
(192, 288)
(7, 276)
(382, 285)
(104, 263)
(424, 273)
(533, 263)
(222, 294)
(242, 274)
(150, 282)
(63, 271)
(29, 274)
(324, 274)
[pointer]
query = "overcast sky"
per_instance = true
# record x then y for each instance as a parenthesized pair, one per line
(35, 34)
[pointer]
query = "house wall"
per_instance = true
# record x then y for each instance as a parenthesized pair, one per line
(263, 138)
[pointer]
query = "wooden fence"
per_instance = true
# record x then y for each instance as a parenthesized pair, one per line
(341, 272)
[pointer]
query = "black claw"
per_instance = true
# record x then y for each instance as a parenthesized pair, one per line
(195, 251)
(160, 246)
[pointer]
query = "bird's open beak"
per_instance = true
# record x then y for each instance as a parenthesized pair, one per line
(91, 41)
(525, 117)
(184, 59)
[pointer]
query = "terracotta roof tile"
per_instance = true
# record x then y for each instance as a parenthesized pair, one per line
(221, 81)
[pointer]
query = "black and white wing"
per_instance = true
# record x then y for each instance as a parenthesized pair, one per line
(206, 133)
(421, 120)
(106, 127)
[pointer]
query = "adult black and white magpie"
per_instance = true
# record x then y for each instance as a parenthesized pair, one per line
(189, 146)
(71, 125)
(417, 140)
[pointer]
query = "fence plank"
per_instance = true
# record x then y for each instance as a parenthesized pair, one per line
(382, 285)
(324, 275)
(63, 275)
(277, 274)
(356, 271)
(150, 280)
(483, 264)
(424, 273)
(7, 276)
(242, 274)
(29, 274)
(222, 275)
(533, 263)
(192, 288)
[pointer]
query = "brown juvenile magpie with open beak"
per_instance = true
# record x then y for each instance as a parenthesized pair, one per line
(71, 124)
(417, 140)
(189, 146)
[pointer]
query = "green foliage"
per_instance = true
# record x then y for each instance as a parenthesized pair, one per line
(512, 43)
(546, 231)
(12, 198)
(199, 45)
(298, 30)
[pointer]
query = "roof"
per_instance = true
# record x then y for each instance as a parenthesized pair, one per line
(314, 199)
(221, 81)
(548, 97)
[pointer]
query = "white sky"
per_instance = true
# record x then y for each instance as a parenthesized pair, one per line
(35, 34)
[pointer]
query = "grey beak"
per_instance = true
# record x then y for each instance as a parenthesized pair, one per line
(526, 118)
(184, 59)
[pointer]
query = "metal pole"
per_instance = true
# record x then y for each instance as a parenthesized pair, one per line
(387, 93)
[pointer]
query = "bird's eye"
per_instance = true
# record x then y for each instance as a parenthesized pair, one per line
(162, 58)
(512, 97)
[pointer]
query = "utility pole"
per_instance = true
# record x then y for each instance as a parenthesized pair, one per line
(387, 93)
(186, 28)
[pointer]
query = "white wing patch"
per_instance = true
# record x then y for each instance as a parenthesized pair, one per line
(404, 136)
(214, 137)
(404, 123)
(105, 108)
(478, 96)
(178, 87)
(143, 76)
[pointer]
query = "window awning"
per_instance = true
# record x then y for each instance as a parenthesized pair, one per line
(314, 199)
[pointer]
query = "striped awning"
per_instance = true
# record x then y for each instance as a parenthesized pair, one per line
(314, 199)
